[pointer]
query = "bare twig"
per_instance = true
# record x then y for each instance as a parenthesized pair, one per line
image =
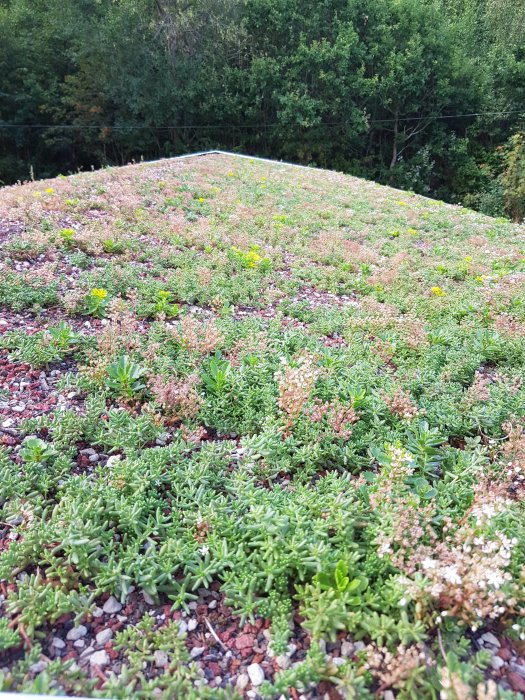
(441, 647)
(214, 634)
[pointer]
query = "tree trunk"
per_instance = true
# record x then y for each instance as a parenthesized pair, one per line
(394, 145)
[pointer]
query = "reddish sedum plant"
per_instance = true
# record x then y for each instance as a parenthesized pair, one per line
(178, 397)
(392, 668)
(295, 387)
(338, 417)
(400, 404)
(202, 337)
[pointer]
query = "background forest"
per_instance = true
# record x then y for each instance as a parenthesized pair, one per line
(427, 96)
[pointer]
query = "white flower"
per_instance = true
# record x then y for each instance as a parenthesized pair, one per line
(494, 578)
(204, 550)
(429, 563)
(450, 574)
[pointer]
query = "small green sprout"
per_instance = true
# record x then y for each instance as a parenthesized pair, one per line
(67, 235)
(96, 303)
(112, 247)
(62, 336)
(215, 374)
(36, 450)
(124, 377)
(165, 306)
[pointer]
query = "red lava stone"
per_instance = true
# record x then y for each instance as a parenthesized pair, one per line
(257, 658)
(245, 641)
(215, 668)
(516, 682)
(63, 619)
(504, 654)
(111, 653)
(245, 653)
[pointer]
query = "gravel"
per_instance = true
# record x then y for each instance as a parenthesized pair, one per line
(76, 633)
(197, 651)
(99, 658)
(256, 674)
(104, 636)
(112, 606)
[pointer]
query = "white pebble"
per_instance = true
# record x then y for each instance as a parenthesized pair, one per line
(256, 674)
(242, 681)
(76, 633)
(104, 636)
(197, 651)
(99, 658)
(112, 606)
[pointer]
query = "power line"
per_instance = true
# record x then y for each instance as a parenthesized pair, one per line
(128, 127)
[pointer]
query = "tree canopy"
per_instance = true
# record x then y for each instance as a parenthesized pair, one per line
(427, 96)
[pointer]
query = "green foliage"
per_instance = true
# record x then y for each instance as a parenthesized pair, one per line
(513, 178)
(125, 377)
(36, 450)
(18, 293)
(113, 247)
(96, 302)
(215, 374)
(164, 305)
(140, 674)
(36, 601)
(8, 637)
(43, 348)
(361, 93)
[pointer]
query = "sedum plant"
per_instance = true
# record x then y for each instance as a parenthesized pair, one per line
(125, 377)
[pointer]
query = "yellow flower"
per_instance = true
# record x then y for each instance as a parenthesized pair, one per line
(231, 174)
(201, 199)
(467, 258)
(99, 293)
(480, 278)
(412, 231)
(437, 292)
(403, 204)
(50, 190)
(252, 258)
